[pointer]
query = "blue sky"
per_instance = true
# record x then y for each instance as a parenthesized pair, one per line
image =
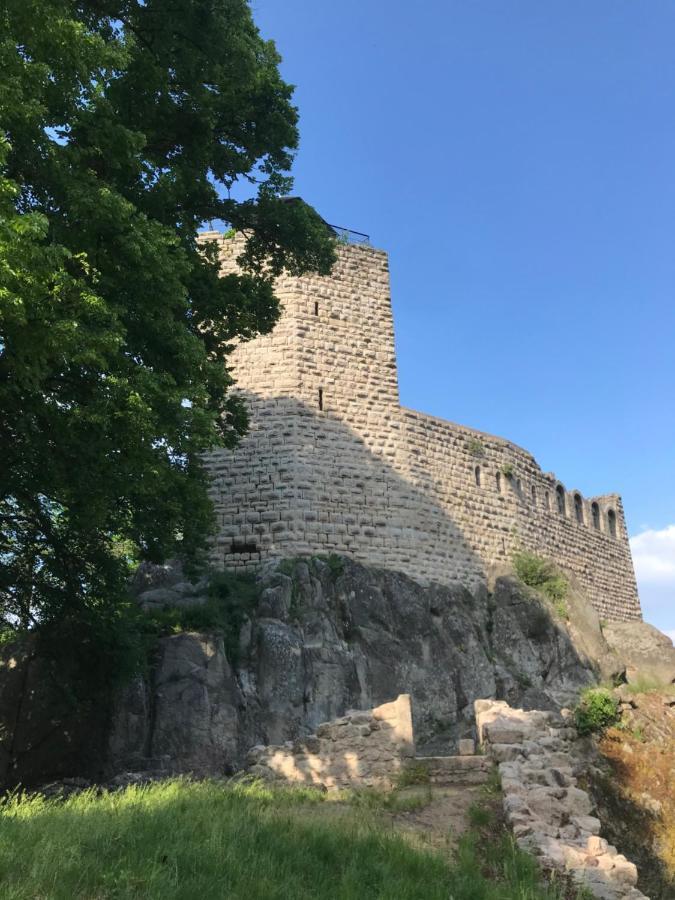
(517, 161)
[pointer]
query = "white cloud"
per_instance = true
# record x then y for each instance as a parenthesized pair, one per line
(654, 559)
(654, 555)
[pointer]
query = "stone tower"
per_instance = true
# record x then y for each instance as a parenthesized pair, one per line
(334, 464)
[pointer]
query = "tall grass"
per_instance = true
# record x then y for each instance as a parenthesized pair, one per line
(208, 840)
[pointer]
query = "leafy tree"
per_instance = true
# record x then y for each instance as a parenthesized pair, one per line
(124, 126)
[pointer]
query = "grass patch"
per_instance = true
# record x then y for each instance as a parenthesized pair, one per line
(183, 839)
(396, 801)
(544, 577)
(414, 773)
(489, 864)
(645, 685)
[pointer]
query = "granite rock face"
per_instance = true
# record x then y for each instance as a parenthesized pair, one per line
(333, 635)
(647, 653)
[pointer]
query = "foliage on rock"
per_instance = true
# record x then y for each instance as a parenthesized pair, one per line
(598, 709)
(231, 599)
(543, 576)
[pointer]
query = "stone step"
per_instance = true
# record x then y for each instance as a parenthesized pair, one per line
(456, 769)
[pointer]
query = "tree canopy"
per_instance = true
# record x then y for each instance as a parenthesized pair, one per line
(125, 125)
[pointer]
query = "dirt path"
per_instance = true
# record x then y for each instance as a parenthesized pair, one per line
(442, 820)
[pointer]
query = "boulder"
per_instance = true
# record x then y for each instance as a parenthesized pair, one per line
(647, 653)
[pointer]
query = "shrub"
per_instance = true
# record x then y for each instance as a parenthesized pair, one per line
(543, 576)
(561, 609)
(597, 710)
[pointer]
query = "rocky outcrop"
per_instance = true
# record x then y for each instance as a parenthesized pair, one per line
(548, 812)
(330, 635)
(647, 654)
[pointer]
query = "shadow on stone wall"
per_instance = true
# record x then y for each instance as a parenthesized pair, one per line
(315, 485)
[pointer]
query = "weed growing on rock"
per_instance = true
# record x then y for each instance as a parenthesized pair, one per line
(543, 576)
(597, 710)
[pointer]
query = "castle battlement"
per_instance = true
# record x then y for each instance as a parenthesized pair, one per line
(334, 464)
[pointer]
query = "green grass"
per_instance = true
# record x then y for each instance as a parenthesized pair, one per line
(179, 840)
(414, 773)
(645, 685)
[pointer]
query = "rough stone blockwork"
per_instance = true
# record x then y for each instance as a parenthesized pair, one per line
(360, 749)
(550, 816)
(333, 463)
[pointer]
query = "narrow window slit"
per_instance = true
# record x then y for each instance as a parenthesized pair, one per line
(579, 509)
(595, 511)
(321, 398)
(316, 308)
(560, 495)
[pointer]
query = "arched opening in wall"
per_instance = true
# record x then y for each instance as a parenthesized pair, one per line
(534, 496)
(476, 473)
(498, 481)
(560, 497)
(595, 515)
(578, 509)
(611, 522)
(547, 500)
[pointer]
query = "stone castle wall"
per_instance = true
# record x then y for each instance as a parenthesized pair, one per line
(333, 463)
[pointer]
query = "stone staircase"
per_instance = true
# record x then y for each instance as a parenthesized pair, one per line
(366, 748)
(455, 770)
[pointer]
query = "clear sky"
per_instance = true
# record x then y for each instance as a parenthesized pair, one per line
(517, 161)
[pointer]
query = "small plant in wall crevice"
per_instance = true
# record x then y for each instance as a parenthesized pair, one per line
(475, 447)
